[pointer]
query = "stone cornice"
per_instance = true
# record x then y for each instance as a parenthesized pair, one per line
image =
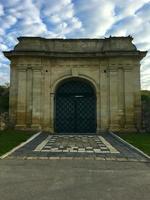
(138, 54)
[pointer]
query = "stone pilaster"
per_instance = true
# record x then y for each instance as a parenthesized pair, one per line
(36, 107)
(104, 101)
(113, 100)
(98, 111)
(129, 104)
(29, 98)
(137, 96)
(121, 98)
(46, 100)
(13, 95)
(21, 100)
(52, 117)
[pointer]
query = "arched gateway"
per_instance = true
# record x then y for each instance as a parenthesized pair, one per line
(51, 90)
(75, 107)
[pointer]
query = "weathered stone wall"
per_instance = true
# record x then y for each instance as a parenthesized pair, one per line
(114, 74)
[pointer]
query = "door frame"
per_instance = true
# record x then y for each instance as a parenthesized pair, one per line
(53, 99)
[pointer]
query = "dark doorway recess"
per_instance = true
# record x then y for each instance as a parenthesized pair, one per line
(75, 107)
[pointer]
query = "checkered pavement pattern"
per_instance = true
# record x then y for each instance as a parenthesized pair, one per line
(75, 143)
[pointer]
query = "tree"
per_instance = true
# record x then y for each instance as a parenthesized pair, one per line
(145, 97)
(4, 98)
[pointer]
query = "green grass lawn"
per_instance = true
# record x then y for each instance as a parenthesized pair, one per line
(11, 138)
(139, 140)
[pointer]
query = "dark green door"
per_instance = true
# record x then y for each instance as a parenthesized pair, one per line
(75, 108)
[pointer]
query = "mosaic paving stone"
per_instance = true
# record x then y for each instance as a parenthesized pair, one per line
(96, 147)
(77, 143)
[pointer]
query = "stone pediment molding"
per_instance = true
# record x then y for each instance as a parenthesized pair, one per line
(64, 48)
(75, 45)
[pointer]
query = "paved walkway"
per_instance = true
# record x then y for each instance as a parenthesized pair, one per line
(74, 180)
(95, 147)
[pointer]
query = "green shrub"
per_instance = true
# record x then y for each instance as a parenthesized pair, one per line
(4, 98)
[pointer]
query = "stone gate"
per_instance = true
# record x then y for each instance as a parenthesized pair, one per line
(75, 85)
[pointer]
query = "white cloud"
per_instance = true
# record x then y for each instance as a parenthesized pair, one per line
(145, 79)
(63, 10)
(6, 22)
(128, 7)
(75, 18)
(143, 33)
(100, 16)
(4, 71)
(10, 3)
(1, 10)
(3, 47)
(61, 16)
(23, 17)
(3, 78)
(145, 72)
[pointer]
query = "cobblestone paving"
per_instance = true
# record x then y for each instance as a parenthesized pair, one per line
(97, 147)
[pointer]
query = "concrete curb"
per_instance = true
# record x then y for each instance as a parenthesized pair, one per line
(76, 158)
(130, 145)
(20, 145)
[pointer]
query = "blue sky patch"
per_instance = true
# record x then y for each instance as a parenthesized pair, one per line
(75, 19)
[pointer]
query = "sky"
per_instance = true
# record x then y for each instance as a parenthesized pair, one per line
(75, 19)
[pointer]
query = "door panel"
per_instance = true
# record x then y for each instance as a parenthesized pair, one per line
(85, 115)
(65, 114)
(75, 108)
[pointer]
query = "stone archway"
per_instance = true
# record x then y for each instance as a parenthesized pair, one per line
(75, 107)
